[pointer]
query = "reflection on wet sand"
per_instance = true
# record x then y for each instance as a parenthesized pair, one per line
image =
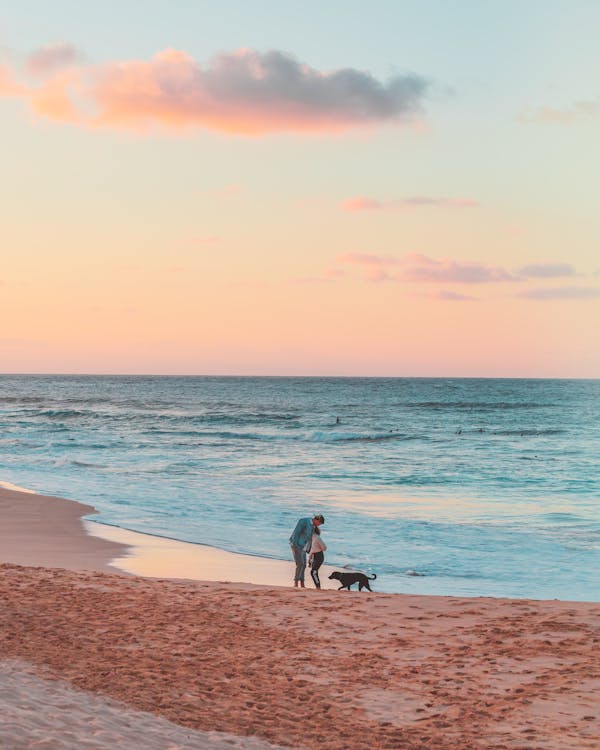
(158, 557)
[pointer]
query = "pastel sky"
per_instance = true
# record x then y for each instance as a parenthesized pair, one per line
(264, 187)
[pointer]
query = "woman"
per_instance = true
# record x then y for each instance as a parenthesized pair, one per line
(316, 555)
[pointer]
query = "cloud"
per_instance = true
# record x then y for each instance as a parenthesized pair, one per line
(362, 203)
(565, 115)
(422, 269)
(52, 100)
(546, 270)
(242, 92)
(561, 292)
(8, 85)
(52, 57)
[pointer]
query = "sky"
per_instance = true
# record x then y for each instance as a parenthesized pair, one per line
(262, 187)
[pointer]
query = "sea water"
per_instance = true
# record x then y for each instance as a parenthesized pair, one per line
(447, 486)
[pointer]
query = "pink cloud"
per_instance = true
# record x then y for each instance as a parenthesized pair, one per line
(416, 267)
(53, 99)
(424, 269)
(546, 270)
(561, 293)
(362, 203)
(243, 92)
(8, 85)
(52, 57)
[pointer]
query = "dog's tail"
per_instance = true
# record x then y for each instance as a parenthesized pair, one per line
(372, 578)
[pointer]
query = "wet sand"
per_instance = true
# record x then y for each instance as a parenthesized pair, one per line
(54, 532)
(159, 557)
(298, 669)
(48, 531)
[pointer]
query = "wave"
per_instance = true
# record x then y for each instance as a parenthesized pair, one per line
(214, 435)
(8, 442)
(313, 437)
(335, 437)
(62, 413)
(529, 432)
(64, 461)
(74, 444)
(226, 418)
(482, 405)
(169, 418)
(22, 400)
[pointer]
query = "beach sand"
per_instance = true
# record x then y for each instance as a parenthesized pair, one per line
(91, 659)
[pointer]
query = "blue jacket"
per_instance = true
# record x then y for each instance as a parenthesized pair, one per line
(302, 533)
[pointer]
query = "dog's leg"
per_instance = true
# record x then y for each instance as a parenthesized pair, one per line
(341, 587)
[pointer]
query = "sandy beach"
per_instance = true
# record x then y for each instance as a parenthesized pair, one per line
(98, 659)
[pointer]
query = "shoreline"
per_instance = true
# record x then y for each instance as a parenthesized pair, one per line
(155, 556)
(47, 531)
(54, 532)
(210, 664)
(50, 531)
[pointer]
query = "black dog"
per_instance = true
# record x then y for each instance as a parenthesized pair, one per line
(349, 579)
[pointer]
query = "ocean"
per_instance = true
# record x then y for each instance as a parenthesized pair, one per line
(438, 485)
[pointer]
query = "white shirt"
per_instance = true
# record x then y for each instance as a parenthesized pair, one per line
(317, 544)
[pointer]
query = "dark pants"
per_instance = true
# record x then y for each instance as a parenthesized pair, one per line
(317, 561)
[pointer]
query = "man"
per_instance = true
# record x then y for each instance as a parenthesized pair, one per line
(299, 541)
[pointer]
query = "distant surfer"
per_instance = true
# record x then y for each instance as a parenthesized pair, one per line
(337, 420)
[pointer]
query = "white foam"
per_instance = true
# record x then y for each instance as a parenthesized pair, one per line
(16, 488)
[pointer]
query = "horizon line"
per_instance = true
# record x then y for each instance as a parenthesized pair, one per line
(288, 376)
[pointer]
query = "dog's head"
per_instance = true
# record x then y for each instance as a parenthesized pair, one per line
(336, 574)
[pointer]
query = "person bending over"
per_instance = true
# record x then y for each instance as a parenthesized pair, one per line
(300, 542)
